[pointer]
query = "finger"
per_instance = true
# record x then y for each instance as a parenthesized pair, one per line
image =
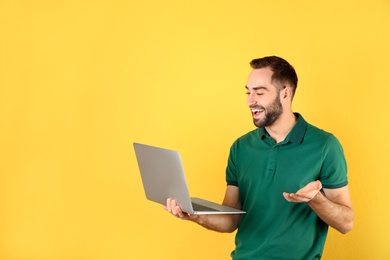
(285, 195)
(301, 197)
(168, 206)
(176, 210)
(319, 184)
(179, 212)
(293, 197)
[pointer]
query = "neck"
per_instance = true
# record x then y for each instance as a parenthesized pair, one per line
(282, 126)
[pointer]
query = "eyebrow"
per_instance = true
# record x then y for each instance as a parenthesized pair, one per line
(258, 88)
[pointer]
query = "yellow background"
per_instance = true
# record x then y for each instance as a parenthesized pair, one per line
(81, 80)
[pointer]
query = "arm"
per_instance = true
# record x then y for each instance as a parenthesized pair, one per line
(333, 206)
(219, 223)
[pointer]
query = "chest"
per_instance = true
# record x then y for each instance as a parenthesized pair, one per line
(275, 169)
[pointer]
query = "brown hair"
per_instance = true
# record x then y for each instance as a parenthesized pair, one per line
(283, 72)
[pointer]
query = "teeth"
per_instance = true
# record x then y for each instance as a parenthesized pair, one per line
(255, 110)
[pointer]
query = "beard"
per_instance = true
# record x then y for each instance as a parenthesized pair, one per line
(272, 113)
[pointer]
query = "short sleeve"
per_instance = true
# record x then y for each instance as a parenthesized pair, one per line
(231, 168)
(334, 168)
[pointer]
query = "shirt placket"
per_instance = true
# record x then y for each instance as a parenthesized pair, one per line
(271, 167)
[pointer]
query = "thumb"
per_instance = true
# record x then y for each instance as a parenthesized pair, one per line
(318, 185)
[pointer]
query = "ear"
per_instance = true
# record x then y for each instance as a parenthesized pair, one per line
(286, 93)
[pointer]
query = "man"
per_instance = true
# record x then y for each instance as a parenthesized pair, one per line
(289, 176)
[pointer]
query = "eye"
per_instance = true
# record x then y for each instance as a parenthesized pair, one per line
(259, 94)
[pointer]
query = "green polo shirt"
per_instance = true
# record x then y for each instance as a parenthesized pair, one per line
(274, 228)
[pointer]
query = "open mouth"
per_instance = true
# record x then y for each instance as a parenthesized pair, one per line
(256, 112)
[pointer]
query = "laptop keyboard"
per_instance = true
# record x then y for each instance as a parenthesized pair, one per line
(198, 207)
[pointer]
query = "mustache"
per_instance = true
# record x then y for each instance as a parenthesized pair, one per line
(257, 107)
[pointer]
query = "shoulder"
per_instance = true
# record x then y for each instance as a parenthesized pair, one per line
(314, 133)
(249, 137)
(319, 138)
(245, 143)
(328, 146)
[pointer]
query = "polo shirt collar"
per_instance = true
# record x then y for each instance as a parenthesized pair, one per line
(296, 134)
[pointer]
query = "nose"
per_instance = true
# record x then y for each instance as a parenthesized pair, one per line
(251, 100)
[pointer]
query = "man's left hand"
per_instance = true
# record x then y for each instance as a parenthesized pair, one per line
(306, 194)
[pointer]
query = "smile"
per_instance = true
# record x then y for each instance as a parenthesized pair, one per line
(256, 111)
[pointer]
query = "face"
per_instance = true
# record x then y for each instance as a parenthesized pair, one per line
(263, 98)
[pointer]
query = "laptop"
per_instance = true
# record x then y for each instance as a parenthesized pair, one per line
(163, 177)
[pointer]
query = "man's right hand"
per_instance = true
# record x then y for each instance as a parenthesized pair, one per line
(218, 222)
(175, 210)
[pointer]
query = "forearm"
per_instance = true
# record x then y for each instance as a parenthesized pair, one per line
(335, 215)
(219, 223)
(222, 223)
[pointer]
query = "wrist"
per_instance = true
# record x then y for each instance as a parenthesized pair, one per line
(317, 196)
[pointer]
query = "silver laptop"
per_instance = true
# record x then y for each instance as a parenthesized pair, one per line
(163, 177)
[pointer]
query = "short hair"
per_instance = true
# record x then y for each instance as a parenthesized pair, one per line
(283, 72)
